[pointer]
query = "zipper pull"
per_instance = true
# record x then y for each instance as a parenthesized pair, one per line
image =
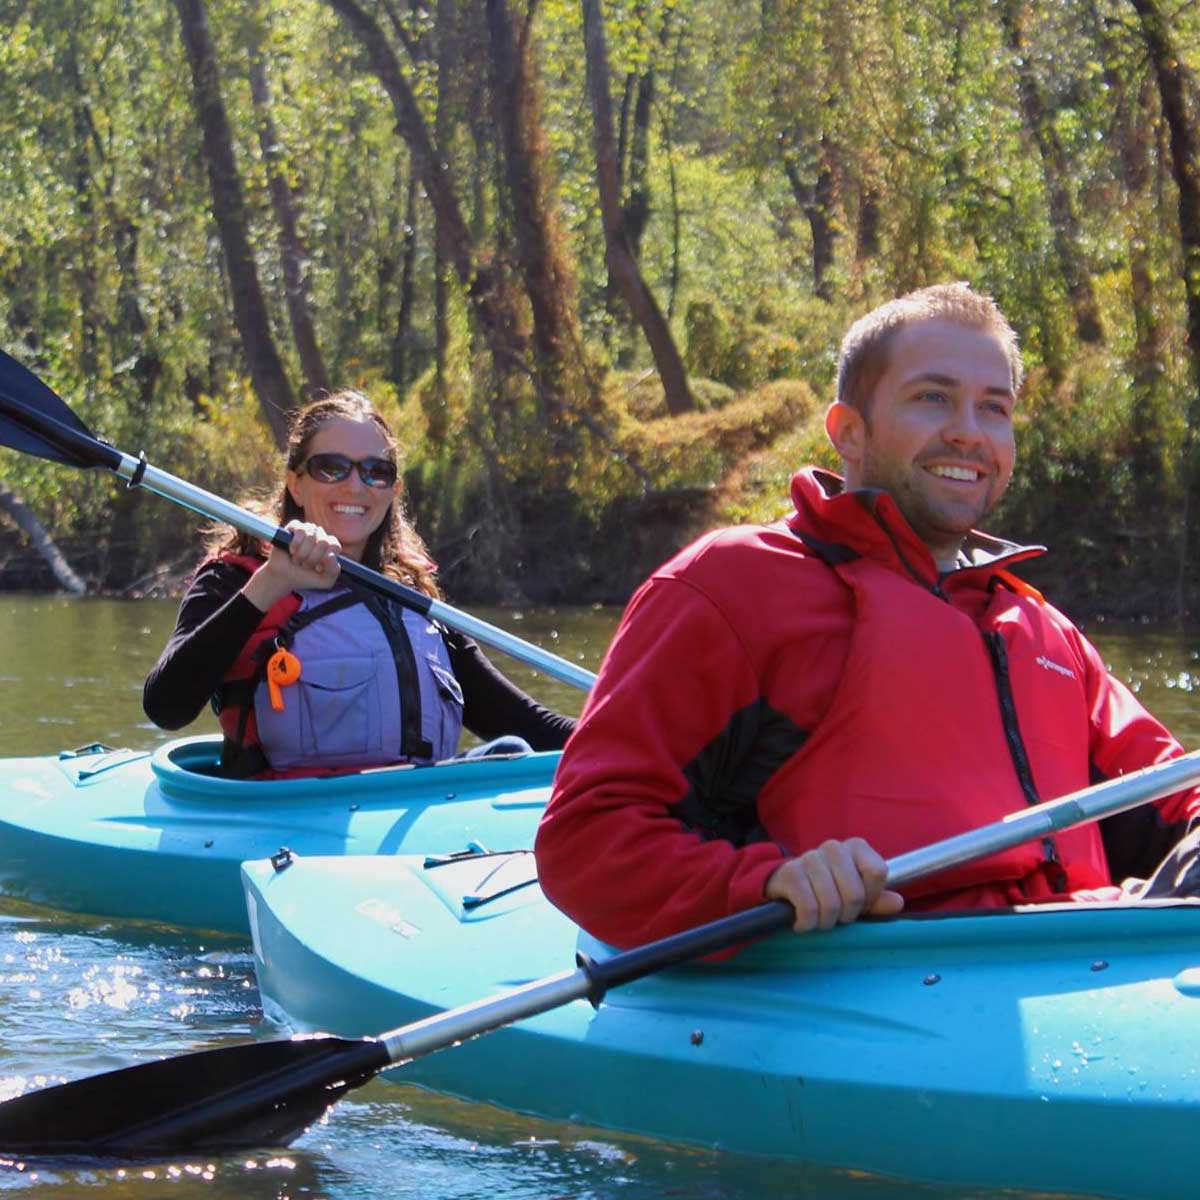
(283, 668)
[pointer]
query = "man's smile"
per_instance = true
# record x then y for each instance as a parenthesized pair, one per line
(967, 474)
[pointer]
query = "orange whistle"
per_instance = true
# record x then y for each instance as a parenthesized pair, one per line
(283, 667)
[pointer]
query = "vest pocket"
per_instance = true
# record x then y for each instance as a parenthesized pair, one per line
(330, 716)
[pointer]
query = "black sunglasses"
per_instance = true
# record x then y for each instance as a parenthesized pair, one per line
(333, 468)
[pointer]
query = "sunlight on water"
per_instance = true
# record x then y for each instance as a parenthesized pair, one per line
(1161, 667)
(384, 1141)
(113, 987)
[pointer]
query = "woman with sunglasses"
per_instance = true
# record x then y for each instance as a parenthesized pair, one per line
(308, 676)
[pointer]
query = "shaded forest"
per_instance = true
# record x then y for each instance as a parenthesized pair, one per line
(594, 259)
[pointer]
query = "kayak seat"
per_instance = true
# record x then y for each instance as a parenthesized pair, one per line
(199, 756)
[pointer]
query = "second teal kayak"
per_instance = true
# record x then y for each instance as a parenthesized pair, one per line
(162, 836)
(1055, 1049)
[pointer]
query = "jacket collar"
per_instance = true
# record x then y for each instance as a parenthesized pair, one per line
(868, 521)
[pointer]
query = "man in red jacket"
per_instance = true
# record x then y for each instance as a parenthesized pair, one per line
(784, 707)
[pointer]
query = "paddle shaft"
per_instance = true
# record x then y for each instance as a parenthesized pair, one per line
(593, 977)
(139, 473)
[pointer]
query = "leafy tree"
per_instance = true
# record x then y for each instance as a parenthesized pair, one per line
(619, 239)
(249, 308)
(419, 205)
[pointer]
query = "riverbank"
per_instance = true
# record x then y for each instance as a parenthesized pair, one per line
(605, 565)
(594, 538)
(559, 562)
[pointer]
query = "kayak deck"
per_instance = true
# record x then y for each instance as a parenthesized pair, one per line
(162, 835)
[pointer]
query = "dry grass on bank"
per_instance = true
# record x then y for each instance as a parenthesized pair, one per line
(702, 448)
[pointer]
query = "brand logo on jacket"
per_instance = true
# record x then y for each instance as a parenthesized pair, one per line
(1051, 665)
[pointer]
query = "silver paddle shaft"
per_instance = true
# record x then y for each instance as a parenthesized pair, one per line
(1089, 804)
(481, 1016)
(137, 472)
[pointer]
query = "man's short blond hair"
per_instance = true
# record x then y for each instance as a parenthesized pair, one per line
(864, 354)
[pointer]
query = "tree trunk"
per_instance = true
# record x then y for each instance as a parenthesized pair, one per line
(131, 337)
(634, 183)
(1149, 349)
(866, 234)
(455, 241)
(542, 265)
(402, 341)
(1133, 135)
(27, 522)
(637, 202)
(293, 256)
(441, 340)
(1176, 93)
(668, 137)
(816, 199)
(249, 308)
(84, 266)
(1064, 220)
(437, 414)
(621, 263)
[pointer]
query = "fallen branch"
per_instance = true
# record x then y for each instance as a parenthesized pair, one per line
(26, 521)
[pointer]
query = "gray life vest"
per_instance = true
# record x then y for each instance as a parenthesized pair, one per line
(375, 687)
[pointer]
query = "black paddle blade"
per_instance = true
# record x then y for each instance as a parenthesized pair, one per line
(256, 1094)
(36, 420)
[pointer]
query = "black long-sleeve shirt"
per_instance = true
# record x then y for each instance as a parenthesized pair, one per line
(216, 620)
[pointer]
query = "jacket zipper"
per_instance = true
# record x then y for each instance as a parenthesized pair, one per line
(1016, 746)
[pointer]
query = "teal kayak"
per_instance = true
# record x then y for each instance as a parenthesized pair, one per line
(160, 835)
(1055, 1048)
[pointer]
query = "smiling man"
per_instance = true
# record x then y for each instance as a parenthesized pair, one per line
(932, 422)
(784, 707)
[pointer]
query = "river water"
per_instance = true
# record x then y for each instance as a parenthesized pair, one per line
(80, 995)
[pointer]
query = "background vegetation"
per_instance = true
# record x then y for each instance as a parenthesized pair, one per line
(595, 260)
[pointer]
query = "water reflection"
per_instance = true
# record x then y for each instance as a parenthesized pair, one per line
(1161, 667)
(393, 1141)
(71, 671)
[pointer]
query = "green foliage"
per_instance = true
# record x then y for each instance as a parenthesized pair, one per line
(1077, 489)
(897, 130)
(708, 339)
(228, 448)
(762, 488)
(744, 351)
